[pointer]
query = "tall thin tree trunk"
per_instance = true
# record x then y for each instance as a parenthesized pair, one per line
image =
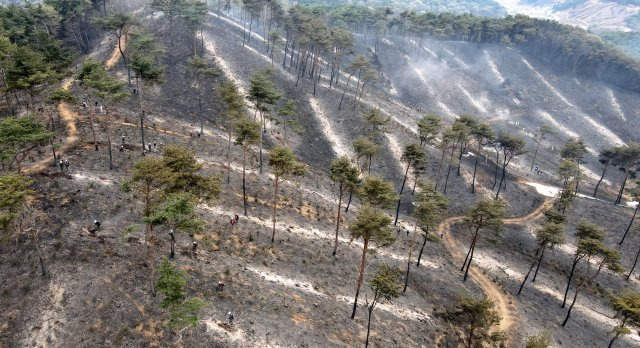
(229, 155)
(244, 176)
(475, 169)
(346, 210)
(466, 272)
(634, 265)
(440, 166)
(535, 155)
(406, 277)
(624, 184)
(526, 277)
(539, 263)
(575, 297)
(446, 182)
(404, 181)
(335, 247)
(566, 292)
(53, 149)
(424, 242)
(635, 212)
(344, 91)
(604, 172)
(275, 207)
(360, 276)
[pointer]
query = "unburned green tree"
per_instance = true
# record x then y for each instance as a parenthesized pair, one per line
(430, 209)
(284, 164)
(144, 51)
(411, 155)
(636, 197)
(183, 312)
(234, 113)
(18, 137)
(601, 256)
(372, 226)
(589, 242)
(385, 287)
(199, 70)
(117, 23)
(483, 136)
(429, 126)
(247, 135)
(14, 192)
(264, 94)
(606, 158)
(574, 150)
(149, 179)
(347, 177)
(477, 317)
(365, 149)
(511, 146)
(627, 307)
(550, 235)
(542, 340)
(94, 77)
(485, 214)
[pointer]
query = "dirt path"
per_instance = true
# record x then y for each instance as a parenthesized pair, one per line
(69, 117)
(504, 302)
(115, 56)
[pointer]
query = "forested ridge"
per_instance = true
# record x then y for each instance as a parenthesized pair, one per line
(565, 47)
(38, 42)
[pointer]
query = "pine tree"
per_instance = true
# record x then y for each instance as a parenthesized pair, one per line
(384, 285)
(200, 70)
(347, 177)
(264, 93)
(485, 214)
(118, 23)
(109, 89)
(371, 224)
(543, 131)
(18, 137)
(550, 235)
(430, 208)
(477, 317)
(429, 126)
(483, 136)
(284, 164)
(247, 134)
(512, 146)
(627, 307)
(411, 155)
(144, 52)
(234, 113)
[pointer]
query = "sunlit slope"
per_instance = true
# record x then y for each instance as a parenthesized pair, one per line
(515, 92)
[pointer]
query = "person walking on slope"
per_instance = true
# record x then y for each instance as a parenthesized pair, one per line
(66, 164)
(61, 163)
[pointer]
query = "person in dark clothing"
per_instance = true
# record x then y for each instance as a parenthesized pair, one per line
(67, 164)
(61, 163)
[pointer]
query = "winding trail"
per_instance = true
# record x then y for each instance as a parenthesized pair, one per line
(69, 117)
(505, 304)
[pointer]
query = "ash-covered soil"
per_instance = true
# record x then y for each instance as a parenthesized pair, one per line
(293, 293)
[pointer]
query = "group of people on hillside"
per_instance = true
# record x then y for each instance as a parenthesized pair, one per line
(64, 164)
